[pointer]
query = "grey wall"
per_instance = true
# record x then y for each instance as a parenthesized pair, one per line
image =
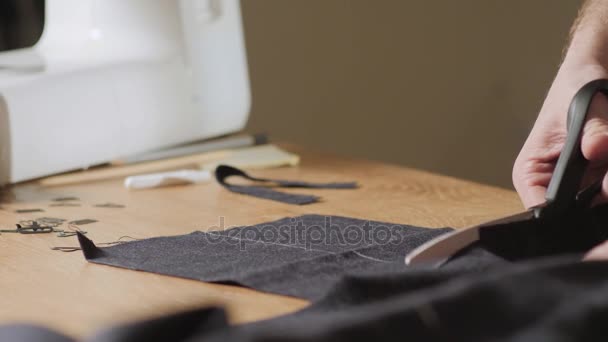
(448, 86)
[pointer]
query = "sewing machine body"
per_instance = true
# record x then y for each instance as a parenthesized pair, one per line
(115, 77)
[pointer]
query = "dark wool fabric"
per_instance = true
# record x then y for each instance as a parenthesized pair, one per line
(296, 256)
(556, 299)
(222, 172)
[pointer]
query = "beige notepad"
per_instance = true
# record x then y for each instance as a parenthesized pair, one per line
(255, 157)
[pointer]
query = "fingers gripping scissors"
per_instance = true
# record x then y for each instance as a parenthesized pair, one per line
(559, 226)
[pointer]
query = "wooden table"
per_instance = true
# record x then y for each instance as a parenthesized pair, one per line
(64, 292)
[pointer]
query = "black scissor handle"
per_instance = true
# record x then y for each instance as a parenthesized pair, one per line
(570, 168)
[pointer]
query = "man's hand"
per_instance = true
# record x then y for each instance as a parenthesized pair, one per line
(534, 165)
(586, 60)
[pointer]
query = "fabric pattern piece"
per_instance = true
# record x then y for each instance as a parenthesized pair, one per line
(222, 172)
(296, 256)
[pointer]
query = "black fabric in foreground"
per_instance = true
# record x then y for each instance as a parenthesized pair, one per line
(222, 172)
(557, 299)
(297, 256)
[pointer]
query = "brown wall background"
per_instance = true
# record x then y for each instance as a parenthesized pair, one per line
(448, 86)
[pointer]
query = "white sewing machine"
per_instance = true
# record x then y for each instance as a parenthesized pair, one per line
(110, 78)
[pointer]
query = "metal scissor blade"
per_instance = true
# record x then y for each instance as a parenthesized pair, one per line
(439, 250)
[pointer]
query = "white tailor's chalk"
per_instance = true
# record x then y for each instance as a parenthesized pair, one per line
(154, 180)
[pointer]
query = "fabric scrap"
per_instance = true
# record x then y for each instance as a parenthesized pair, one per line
(223, 172)
(83, 222)
(65, 204)
(25, 211)
(64, 199)
(109, 205)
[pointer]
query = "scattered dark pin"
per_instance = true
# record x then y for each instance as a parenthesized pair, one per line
(83, 222)
(65, 249)
(65, 204)
(109, 205)
(64, 199)
(23, 211)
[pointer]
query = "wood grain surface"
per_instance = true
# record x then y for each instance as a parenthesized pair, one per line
(64, 292)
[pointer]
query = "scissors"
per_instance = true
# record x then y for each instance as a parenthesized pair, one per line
(562, 225)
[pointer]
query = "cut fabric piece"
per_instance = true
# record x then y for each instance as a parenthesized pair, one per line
(83, 222)
(65, 204)
(296, 256)
(67, 198)
(222, 172)
(26, 211)
(110, 205)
